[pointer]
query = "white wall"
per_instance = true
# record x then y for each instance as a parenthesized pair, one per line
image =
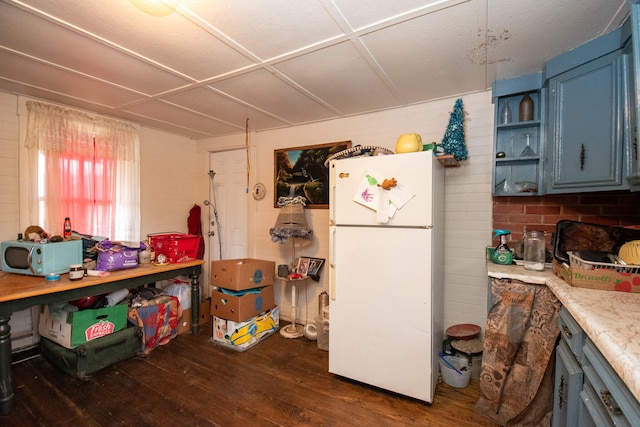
(171, 181)
(467, 193)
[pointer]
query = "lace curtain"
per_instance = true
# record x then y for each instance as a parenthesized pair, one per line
(87, 169)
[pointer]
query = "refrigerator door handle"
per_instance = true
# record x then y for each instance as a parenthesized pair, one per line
(332, 193)
(332, 265)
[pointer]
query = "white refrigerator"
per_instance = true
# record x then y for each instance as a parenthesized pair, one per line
(386, 271)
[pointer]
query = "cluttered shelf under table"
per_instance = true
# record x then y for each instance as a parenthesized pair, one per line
(18, 292)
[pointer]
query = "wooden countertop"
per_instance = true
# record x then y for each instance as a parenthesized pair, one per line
(20, 286)
(610, 319)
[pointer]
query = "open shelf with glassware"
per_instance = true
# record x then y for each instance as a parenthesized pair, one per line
(518, 137)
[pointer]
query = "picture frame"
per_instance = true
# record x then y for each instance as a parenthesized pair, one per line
(310, 267)
(315, 264)
(300, 171)
(303, 266)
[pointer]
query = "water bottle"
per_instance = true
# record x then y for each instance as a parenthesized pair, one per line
(534, 250)
(67, 228)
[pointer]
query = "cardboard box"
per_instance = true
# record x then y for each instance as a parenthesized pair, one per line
(73, 328)
(240, 336)
(603, 279)
(185, 321)
(95, 355)
(241, 307)
(244, 273)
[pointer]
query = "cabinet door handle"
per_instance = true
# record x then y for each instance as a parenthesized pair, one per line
(561, 392)
(582, 151)
(610, 403)
(567, 332)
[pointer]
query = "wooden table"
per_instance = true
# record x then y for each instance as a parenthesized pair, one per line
(18, 292)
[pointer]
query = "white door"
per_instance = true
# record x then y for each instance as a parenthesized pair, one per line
(228, 197)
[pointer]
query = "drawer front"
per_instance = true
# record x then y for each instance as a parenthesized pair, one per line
(592, 413)
(571, 333)
(620, 405)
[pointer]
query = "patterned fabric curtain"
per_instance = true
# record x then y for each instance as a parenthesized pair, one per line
(87, 168)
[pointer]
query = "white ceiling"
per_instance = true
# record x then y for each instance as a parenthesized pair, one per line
(205, 68)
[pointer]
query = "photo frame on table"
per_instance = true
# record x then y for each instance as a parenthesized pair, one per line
(310, 267)
(303, 265)
(300, 171)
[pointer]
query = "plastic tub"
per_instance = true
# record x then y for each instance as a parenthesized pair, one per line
(450, 376)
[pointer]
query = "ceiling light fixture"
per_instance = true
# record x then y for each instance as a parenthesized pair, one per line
(158, 8)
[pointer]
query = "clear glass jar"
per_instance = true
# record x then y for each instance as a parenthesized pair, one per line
(534, 250)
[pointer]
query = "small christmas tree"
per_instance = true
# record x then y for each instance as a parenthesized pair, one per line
(453, 140)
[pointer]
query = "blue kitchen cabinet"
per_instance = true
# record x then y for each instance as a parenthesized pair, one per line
(589, 125)
(588, 392)
(518, 144)
(568, 373)
(633, 178)
(568, 383)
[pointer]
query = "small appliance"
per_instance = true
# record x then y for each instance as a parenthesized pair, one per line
(40, 259)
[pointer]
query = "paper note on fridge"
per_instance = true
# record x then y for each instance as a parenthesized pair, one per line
(368, 193)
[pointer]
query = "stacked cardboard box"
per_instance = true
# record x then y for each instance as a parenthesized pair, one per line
(242, 302)
(83, 342)
(73, 328)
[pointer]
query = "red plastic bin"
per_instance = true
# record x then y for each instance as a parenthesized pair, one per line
(175, 246)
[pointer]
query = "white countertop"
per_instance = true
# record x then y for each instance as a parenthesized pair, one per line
(611, 319)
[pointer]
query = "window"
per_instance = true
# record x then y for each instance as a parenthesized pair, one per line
(87, 168)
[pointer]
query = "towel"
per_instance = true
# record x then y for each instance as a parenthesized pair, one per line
(518, 354)
(158, 318)
(194, 227)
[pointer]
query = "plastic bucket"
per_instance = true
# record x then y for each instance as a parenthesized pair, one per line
(450, 376)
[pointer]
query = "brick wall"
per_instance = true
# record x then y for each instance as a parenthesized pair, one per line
(518, 214)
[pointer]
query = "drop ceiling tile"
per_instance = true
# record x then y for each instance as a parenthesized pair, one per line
(518, 44)
(151, 122)
(213, 104)
(52, 79)
(340, 76)
(429, 57)
(269, 28)
(267, 92)
(71, 50)
(364, 14)
(168, 113)
(172, 41)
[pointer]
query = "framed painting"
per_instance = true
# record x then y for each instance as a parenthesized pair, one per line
(300, 171)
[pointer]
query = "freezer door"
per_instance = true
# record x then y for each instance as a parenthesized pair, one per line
(380, 329)
(418, 176)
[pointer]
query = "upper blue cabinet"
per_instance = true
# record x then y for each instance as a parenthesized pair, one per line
(589, 127)
(634, 176)
(581, 135)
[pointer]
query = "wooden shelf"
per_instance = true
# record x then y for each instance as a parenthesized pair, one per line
(448, 161)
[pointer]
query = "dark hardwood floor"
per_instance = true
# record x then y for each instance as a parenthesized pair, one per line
(192, 382)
